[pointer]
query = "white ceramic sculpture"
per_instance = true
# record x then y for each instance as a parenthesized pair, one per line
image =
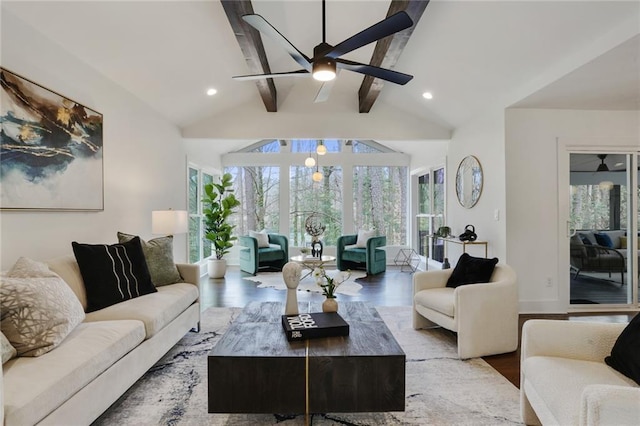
(291, 273)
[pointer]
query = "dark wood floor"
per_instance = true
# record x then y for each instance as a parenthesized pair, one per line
(391, 288)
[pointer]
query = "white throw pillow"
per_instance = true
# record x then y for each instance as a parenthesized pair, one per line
(262, 237)
(38, 308)
(363, 236)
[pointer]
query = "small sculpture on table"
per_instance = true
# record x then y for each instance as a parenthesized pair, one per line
(291, 273)
(315, 228)
(316, 249)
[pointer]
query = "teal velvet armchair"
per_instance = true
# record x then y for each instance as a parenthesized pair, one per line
(372, 258)
(253, 257)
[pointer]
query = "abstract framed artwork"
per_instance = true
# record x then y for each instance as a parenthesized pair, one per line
(51, 151)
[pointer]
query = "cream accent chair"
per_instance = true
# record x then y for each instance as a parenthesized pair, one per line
(565, 381)
(485, 316)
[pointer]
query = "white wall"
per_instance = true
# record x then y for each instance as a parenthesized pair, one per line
(138, 177)
(532, 175)
(483, 138)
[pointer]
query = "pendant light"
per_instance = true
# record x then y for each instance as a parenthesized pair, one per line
(321, 149)
(310, 161)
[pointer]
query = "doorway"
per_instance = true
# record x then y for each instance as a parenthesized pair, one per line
(603, 221)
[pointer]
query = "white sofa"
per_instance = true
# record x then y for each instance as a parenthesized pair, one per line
(102, 357)
(565, 381)
(485, 316)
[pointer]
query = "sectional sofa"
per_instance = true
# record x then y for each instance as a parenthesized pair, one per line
(102, 357)
(599, 251)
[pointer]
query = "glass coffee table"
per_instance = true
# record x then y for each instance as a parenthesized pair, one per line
(311, 262)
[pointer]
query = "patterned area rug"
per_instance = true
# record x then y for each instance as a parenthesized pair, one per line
(274, 280)
(440, 389)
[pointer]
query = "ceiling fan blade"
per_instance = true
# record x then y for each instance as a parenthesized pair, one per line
(391, 25)
(298, 73)
(325, 89)
(383, 73)
(261, 24)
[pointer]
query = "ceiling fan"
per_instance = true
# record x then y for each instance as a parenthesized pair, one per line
(326, 61)
(602, 167)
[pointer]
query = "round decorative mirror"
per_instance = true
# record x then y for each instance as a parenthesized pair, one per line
(469, 181)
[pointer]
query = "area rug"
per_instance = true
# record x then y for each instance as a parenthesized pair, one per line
(274, 280)
(440, 388)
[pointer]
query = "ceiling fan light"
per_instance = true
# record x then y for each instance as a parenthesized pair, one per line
(324, 69)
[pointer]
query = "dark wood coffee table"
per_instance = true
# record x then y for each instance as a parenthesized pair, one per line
(254, 369)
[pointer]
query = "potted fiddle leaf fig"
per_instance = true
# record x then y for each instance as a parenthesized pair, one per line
(219, 203)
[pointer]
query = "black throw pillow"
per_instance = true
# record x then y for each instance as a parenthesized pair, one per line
(472, 270)
(112, 273)
(625, 354)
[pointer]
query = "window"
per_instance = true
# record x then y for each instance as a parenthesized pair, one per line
(431, 212)
(323, 198)
(310, 145)
(199, 249)
(257, 188)
(269, 186)
(380, 201)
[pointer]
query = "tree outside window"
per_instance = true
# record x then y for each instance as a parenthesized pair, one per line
(380, 201)
(257, 188)
(323, 198)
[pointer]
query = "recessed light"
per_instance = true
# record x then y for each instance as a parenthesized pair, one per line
(427, 95)
(211, 91)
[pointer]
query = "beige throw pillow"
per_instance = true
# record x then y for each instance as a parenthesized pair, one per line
(38, 309)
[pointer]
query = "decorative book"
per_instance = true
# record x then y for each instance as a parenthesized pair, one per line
(310, 326)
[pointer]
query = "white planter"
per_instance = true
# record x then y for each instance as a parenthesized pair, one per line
(216, 268)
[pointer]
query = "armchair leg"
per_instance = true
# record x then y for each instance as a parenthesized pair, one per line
(421, 323)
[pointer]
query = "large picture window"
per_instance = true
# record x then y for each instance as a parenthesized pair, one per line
(323, 198)
(363, 185)
(380, 201)
(258, 190)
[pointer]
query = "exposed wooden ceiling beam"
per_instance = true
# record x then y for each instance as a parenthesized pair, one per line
(388, 50)
(252, 48)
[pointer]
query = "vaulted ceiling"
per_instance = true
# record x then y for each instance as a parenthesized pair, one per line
(386, 53)
(470, 54)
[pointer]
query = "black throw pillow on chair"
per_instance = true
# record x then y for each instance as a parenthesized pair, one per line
(472, 270)
(625, 354)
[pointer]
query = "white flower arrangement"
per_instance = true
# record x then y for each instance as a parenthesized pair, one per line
(329, 284)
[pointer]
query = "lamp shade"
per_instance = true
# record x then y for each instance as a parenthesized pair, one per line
(169, 222)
